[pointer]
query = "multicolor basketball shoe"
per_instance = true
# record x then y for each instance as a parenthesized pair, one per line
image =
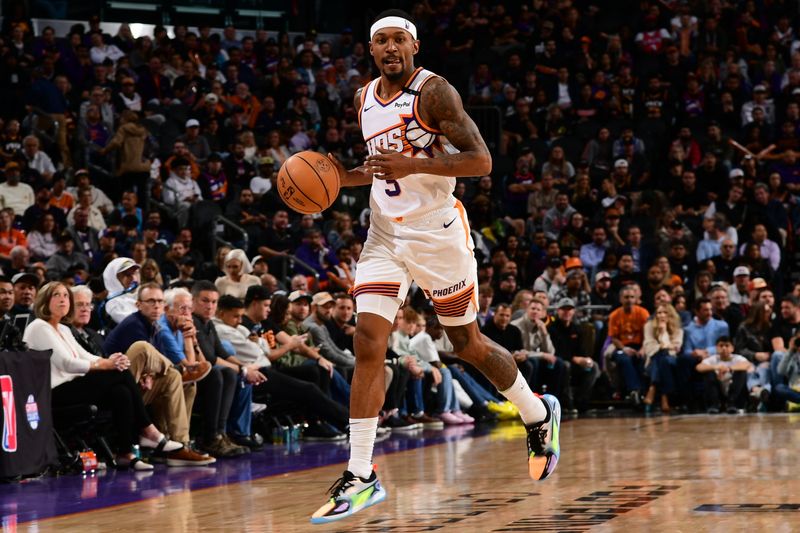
(349, 495)
(543, 446)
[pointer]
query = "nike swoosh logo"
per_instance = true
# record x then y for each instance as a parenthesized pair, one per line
(448, 224)
(368, 108)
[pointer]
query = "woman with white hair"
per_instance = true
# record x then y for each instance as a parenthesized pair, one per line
(237, 276)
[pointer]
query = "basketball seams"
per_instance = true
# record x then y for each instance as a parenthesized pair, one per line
(322, 181)
(298, 189)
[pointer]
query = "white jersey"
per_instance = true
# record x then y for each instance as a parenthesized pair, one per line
(395, 124)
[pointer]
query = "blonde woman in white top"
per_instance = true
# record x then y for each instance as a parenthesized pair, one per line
(237, 276)
(78, 377)
(663, 338)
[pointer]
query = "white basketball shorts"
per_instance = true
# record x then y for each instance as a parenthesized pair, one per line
(435, 250)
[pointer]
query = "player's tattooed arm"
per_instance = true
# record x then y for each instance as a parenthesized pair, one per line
(441, 108)
(359, 175)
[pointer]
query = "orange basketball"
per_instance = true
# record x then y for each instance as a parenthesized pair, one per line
(308, 182)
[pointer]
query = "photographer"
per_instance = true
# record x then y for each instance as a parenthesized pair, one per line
(787, 382)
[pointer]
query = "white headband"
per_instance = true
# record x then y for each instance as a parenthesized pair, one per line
(393, 22)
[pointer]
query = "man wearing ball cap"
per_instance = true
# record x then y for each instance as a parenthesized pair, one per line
(419, 140)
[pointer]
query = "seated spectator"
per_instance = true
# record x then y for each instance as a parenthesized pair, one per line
(42, 240)
(726, 262)
(255, 352)
(753, 342)
(626, 332)
(767, 248)
(37, 159)
(237, 427)
(94, 216)
(725, 376)
(186, 268)
(99, 199)
(577, 289)
(316, 324)
(195, 142)
(758, 265)
(20, 260)
(121, 278)
(6, 297)
(9, 236)
(237, 276)
(722, 309)
(413, 409)
(161, 385)
(213, 181)
(500, 330)
(552, 279)
(552, 372)
(65, 258)
(787, 376)
(25, 288)
(784, 329)
(341, 327)
(149, 272)
(15, 195)
(60, 197)
(447, 407)
(78, 377)
(592, 253)
(181, 191)
(40, 207)
(85, 237)
(571, 343)
(663, 338)
(314, 253)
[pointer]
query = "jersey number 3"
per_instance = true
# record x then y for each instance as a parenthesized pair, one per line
(394, 190)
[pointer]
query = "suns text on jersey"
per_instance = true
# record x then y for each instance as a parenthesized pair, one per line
(392, 139)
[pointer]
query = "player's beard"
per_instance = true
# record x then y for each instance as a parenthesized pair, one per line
(394, 76)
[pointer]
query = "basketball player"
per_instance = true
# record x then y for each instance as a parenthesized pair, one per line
(419, 139)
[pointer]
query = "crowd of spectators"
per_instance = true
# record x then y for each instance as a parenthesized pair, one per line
(637, 240)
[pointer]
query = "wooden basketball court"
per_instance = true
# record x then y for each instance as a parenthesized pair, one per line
(681, 473)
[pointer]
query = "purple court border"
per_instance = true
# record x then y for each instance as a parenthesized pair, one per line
(45, 498)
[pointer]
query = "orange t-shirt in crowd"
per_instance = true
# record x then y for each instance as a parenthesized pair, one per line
(11, 238)
(65, 202)
(628, 327)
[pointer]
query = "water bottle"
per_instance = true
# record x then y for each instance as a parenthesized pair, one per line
(136, 451)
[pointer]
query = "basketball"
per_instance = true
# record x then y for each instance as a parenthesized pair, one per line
(308, 182)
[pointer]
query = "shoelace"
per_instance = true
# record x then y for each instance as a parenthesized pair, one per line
(536, 438)
(341, 485)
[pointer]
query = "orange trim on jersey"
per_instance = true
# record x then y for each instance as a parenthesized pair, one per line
(422, 123)
(363, 98)
(464, 224)
(383, 102)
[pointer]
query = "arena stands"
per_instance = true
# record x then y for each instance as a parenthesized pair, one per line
(638, 233)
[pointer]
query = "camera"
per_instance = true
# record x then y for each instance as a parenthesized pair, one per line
(11, 333)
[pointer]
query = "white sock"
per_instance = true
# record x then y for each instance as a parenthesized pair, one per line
(362, 439)
(531, 408)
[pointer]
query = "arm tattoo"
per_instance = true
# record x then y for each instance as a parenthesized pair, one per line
(442, 109)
